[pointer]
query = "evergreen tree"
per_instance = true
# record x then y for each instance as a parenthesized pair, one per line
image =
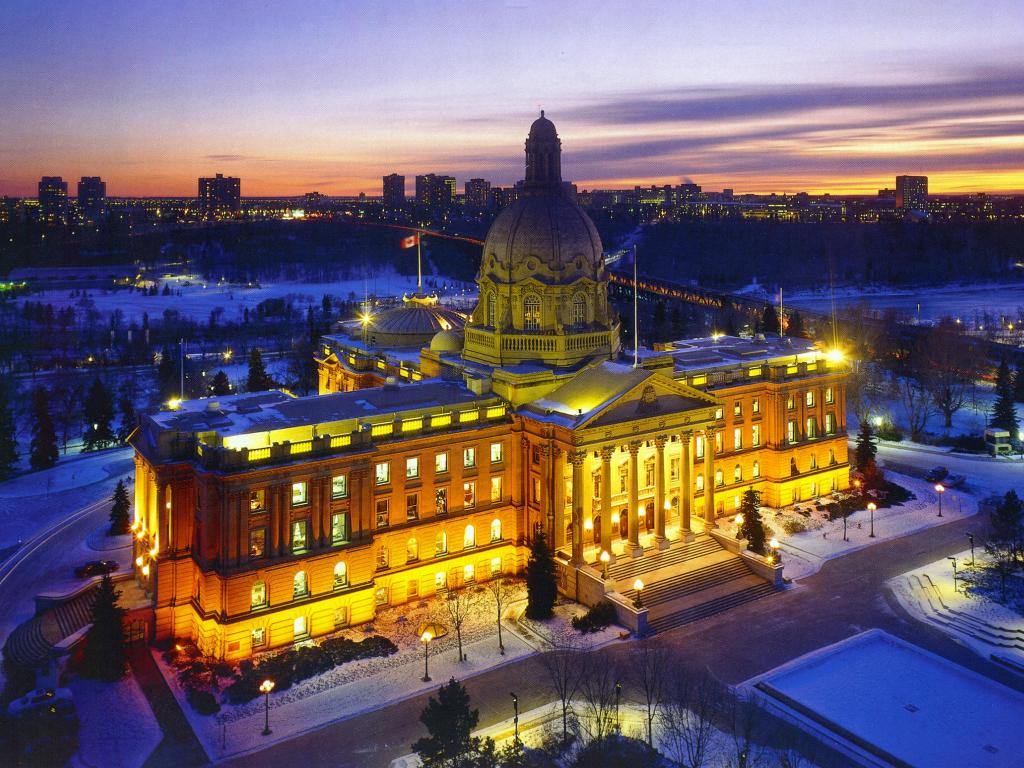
(867, 448)
(126, 405)
(119, 523)
(258, 380)
(167, 374)
(43, 452)
(104, 656)
(769, 320)
(1004, 413)
(1018, 383)
(325, 304)
(796, 325)
(99, 413)
(220, 385)
(8, 437)
(752, 528)
(1007, 520)
(450, 723)
(541, 583)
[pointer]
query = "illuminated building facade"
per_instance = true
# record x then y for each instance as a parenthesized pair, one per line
(219, 197)
(478, 193)
(434, 191)
(53, 200)
(92, 199)
(912, 193)
(394, 192)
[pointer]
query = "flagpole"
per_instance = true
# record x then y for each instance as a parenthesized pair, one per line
(636, 316)
(419, 264)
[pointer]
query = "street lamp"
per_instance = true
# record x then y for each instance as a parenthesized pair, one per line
(515, 719)
(776, 554)
(970, 537)
(953, 560)
(265, 688)
(425, 638)
(605, 557)
(618, 694)
(638, 585)
(871, 508)
(940, 489)
(856, 485)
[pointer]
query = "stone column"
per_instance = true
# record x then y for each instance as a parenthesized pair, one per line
(659, 492)
(578, 459)
(685, 485)
(606, 501)
(558, 496)
(709, 476)
(633, 509)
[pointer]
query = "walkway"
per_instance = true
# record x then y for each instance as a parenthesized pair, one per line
(179, 747)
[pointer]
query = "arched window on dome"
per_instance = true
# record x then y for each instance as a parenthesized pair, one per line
(531, 313)
(492, 310)
(579, 310)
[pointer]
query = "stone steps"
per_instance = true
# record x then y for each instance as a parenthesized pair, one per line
(669, 589)
(627, 568)
(712, 607)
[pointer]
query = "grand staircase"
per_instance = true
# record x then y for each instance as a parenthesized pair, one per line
(30, 643)
(688, 582)
(929, 598)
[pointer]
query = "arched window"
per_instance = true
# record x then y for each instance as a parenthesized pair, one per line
(831, 457)
(469, 538)
(340, 575)
(719, 479)
(737, 474)
(700, 482)
(441, 544)
(300, 585)
(259, 594)
(412, 550)
(579, 310)
(756, 469)
(495, 529)
(531, 313)
(492, 309)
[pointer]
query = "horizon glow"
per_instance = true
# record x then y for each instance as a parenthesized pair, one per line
(759, 97)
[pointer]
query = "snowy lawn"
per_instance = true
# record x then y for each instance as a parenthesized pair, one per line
(361, 686)
(70, 472)
(118, 729)
(557, 632)
(896, 698)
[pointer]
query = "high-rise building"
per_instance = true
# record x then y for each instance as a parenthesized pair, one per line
(219, 197)
(394, 191)
(53, 200)
(912, 192)
(434, 191)
(92, 199)
(478, 193)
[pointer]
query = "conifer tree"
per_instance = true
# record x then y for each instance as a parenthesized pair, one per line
(796, 325)
(258, 380)
(1018, 383)
(450, 723)
(104, 656)
(167, 374)
(769, 320)
(1004, 413)
(541, 584)
(8, 436)
(119, 522)
(752, 528)
(866, 450)
(126, 405)
(99, 413)
(43, 451)
(220, 385)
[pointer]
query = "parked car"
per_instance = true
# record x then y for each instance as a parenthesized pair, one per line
(952, 481)
(935, 474)
(96, 568)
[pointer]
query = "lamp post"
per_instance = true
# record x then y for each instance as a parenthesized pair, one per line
(845, 515)
(776, 553)
(638, 585)
(515, 718)
(871, 508)
(970, 538)
(618, 694)
(856, 485)
(425, 638)
(940, 489)
(953, 560)
(605, 557)
(265, 688)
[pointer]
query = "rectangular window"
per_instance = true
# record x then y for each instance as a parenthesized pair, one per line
(496, 453)
(673, 469)
(300, 536)
(791, 431)
(257, 500)
(699, 446)
(809, 398)
(623, 478)
(259, 595)
(440, 580)
(790, 403)
(469, 457)
(300, 494)
(413, 590)
(469, 495)
(535, 492)
(383, 513)
(718, 413)
(830, 423)
(755, 435)
(259, 637)
(495, 566)
(382, 473)
(737, 439)
(812, 428)
(535, 455)
(496, 489)
(830, 396)
(412, 508)
(380, 595)
(755, 405)
(339, 487)
(718, 442)
(441, 463)
(737, 408)
(412, 467)
(339, 528)
(648, 474)
(441, 501)
(257, 542)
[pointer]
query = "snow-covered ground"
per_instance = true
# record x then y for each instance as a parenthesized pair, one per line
(907, 702)
(362, 686)
(118, 729)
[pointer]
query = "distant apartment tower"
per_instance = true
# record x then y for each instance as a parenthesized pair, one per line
(434, 191)
(912, 192)
(92, 199)
(478, 193)
(219, 197)
(53, 200)
(394, 191)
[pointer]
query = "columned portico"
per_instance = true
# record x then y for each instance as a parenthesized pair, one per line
(606, 499)
(659, 492)
(685, 485)
(633, 510)
(578, 458)
(558, 470)
(709, 476)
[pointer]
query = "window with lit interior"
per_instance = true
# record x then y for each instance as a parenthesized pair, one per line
(531, 313)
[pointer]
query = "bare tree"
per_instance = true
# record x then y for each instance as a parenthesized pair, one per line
(687, 719)
(600, 690)
(502, 590)
(565, 667)
(946, 363)
(648, 672)
(917, 402)
(861, 388)
(458, 605)
(747, 720)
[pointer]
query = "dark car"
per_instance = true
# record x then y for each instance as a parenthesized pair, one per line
(935, 474)
(96, 568)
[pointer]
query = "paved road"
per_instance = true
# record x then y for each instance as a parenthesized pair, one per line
(982, 472)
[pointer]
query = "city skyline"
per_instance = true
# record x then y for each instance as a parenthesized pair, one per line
(332, 98)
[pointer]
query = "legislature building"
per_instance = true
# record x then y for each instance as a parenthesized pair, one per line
(440, 444)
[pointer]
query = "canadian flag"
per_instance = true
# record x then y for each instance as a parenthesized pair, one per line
(410, 241)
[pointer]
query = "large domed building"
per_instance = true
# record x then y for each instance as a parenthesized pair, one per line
(543, 291)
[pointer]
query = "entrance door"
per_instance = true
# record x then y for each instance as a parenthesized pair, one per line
(597, 530)
(624, 524)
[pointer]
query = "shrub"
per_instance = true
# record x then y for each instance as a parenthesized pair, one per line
(793, 525)
(596, 619)
(965, 443)
(889, 431)
(203, 702)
